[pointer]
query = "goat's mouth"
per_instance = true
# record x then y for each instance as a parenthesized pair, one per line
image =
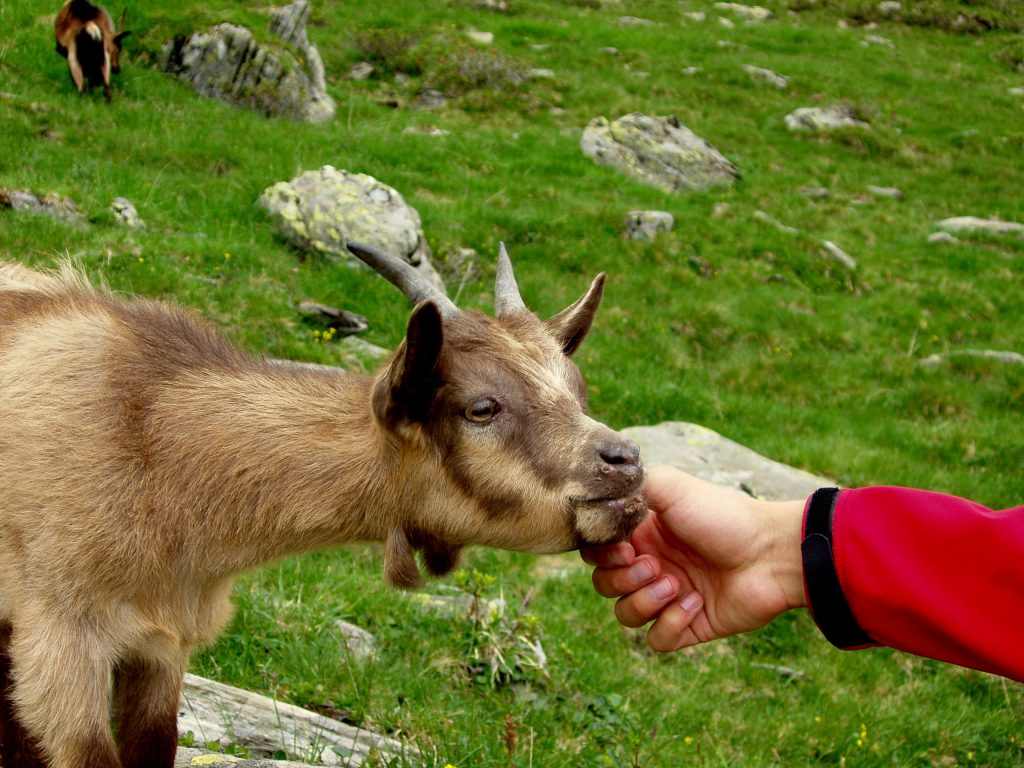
(602, 521)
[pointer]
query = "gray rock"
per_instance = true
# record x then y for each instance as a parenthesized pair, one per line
(706, 454)
(51, 204)
(814, 193)
(361, 70)
(634, 21)
(997, 355)
(973, 225)
(214, 712)
(320, 211)
(890, 192)
(769, 219)
(289, 23)
(658, 151)
(359, 643)
(942, 237)
(889, 7)
(823, 119)
(884, 42)
(226, 63)
(189, 757)
(341, 321)
(761, 75)
(838, 254)
(645, 225)
(695, 15)
(750, 13)
(429, 99)
(1017, 90)
(125, 214)
(459, 605)
(480, 38)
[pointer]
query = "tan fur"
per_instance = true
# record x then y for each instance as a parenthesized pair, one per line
(144, 463)
(67, 28)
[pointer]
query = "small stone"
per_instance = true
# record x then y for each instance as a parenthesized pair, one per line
(877, 40)
(610, 51)
(1017, 90)
(815, 193)
(361, 70)
(480, 38)
(727, 23)
(889, 7)
(539, 73)
(720, 210)
(696, 15)
(343, 322)
(768, 219)
(942, 237)
(824, 119)
(890, 192)
(634, 21)
(752, 14)
(762, 75)
(125, 214)
(838, 254)
(646, 225)
(360, 644)
(690, 70)
(973, 224)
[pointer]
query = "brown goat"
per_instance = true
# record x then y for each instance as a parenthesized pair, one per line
(144, 462)
(86, 38)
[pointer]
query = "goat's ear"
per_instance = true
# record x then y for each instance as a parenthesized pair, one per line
(408, 386)
(400, 569)
(120, 36)
(571, 325)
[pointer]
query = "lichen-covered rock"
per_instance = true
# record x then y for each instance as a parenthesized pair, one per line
(320, 211)
(824, 119)
(967, 225)
(658, 151)
(645, 225)
(226, 63)
(762, 75)
(708, 455)
(125, 213)
(752, 14)
(51, 204)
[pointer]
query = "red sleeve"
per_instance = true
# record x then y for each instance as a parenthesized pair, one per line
(934, 575)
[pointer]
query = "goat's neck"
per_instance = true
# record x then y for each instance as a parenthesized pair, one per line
(273, 461)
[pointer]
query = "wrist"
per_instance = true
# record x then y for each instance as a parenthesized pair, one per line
(785, 556)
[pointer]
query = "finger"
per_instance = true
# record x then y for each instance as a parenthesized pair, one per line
(674, 628)
(636, 609)
(609, 556)
(614, 582)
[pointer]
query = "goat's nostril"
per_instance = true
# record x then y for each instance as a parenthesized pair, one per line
(620, 453)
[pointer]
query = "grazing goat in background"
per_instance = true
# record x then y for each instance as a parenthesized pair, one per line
(144, 462)
(86, 38)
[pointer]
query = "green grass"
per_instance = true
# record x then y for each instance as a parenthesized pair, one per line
(726, 322)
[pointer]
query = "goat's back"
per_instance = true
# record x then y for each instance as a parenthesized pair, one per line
(79, 368)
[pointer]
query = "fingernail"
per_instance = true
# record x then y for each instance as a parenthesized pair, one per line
(691, 602)
(617, 558)
(641, 571)
(661, 589)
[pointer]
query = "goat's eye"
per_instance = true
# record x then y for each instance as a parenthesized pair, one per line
(481, 411)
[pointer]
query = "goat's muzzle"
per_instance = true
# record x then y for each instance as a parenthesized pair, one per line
(617, 505)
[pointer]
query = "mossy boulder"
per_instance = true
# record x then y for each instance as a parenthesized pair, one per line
(226, 63)
(658, 151)
(320, 211)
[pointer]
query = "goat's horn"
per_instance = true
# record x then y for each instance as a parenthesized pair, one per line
(415, 286)
(507, 300)
(121, 21)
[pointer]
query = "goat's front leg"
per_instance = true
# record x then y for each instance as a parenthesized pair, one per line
(61, 692)
(17, 750)
(146, 696)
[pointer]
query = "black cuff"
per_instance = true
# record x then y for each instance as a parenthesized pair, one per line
(828, 604)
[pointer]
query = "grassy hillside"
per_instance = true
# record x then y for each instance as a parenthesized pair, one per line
(728, 322)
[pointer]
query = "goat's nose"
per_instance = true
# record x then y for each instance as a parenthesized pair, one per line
(620, 454)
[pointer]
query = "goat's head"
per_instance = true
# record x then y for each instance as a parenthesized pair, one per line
(113, 44)
(492, 415)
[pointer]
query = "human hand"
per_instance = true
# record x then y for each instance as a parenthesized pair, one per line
(707, 562)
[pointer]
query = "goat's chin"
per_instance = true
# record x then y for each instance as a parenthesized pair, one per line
(608, 521)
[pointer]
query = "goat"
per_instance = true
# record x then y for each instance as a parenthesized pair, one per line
(145, 462)
(86, 38)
